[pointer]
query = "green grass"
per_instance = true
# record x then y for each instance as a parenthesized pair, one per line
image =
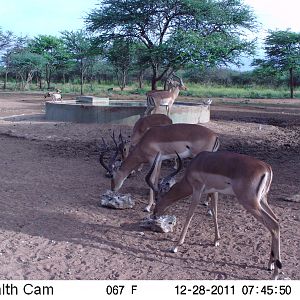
(216, 91)
(194, 90)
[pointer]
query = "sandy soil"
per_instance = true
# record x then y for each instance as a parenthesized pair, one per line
(52, 226)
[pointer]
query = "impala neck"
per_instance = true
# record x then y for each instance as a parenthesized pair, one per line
(179, 190)
(132, 162)
(176, 92)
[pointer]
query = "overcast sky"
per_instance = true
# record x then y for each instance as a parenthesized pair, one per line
(34, 17)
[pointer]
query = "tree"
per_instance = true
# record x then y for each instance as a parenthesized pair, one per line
(176, 32)
(80, 47)
(16, 45)
(120, 55)
(6, 39)
(282, 49)
(26, 64)
(51, 48)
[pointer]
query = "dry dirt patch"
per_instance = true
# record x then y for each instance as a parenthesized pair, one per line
(52, 226)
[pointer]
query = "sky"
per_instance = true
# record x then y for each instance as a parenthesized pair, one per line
(33, 17)
(50, 17)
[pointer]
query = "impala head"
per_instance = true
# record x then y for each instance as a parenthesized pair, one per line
(164, 184)
(112, 169)
(124, 147)
(181, 84)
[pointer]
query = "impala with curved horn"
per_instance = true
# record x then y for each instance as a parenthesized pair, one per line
(186, 139)
(245, 177)
(164, 98)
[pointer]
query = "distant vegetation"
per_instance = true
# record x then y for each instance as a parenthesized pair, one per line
(134, 48)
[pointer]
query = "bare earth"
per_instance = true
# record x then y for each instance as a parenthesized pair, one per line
(52, 226)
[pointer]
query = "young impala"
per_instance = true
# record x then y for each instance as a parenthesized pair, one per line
(186, 139)
(164, 98)
(245, 177)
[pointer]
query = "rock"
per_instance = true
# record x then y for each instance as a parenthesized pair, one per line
(293, 198)
(164, 223)
(116, 200)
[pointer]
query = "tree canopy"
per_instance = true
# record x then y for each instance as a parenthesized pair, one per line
(177, 32)
(282, 49)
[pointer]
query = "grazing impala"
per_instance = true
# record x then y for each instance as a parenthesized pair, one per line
(245, 177)
(164, 98)
(186, 139)
(139, 128)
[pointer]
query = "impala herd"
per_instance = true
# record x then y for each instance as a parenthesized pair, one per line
(210, 172)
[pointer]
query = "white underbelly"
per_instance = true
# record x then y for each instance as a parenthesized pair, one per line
(226, 191)
(183, 154)
(165, 102)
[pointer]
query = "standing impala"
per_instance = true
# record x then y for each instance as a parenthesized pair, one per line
(245, 177)
(186, 139)
(164, 98)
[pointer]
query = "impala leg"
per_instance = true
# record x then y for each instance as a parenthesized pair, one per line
(168, 110)
(272, 224)
(154, 178)
(175, 164)
(195, 200)
(214, 209)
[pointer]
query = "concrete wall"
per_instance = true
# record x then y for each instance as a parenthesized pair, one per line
(69, 111)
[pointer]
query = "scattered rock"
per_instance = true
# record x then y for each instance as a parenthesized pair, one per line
(116, 200)
(161, 224)
(293, 198)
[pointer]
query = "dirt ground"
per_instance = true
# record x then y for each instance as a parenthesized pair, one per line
(52, 226)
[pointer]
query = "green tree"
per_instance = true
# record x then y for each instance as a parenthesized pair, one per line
(51, 48)
(16, 45)
(120, 55)
(282, 49)
(81, 47)
(6, 39)
(176, 32)
(26, 64)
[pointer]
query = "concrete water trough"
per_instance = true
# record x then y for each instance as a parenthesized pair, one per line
(89, 109)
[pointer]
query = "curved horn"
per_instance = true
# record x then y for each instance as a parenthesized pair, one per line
(148, 176)
(101, 157)
(109, 168)
(114, 157)
(180, 79)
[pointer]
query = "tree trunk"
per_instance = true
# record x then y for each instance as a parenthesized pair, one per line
(48, 76)
(81, 77)
(123, 80)
(5, 80)
(141, 78)
(292, 83)
(40, 81)
(154, 77)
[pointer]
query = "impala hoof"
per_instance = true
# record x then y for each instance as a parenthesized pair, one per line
(209, 213)
(147, 209)
(174, 250)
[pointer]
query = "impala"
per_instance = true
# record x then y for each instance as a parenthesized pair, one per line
(186, 139)
(245, 177)
(139, 129)
(164, 98)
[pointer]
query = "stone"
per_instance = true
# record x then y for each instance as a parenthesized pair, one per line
(116, 200)
(164, 223)
(294, 198)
